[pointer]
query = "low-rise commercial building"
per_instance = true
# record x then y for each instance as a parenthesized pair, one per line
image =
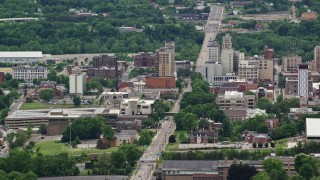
(160, 82)
(202, 136)
(249, 70)
(145, 60)
(183, 65)
(234, 100)
(136, 106)
(309, 15)
(312, 129)
(56, 119)
(20, 57)
(29, 73)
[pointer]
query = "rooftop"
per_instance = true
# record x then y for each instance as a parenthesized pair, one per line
(190, 165)
(312, 127)
(22, 54)
(45, 113)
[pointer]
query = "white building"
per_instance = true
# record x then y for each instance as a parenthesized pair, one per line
(303, 89)
(226, 42)
(77, 83)
(29, 73)
(139, 86)
(136, 106)
(211, 69)
(312, 129)
(227, 60)
(213, 51)
(20, 57)
(114, 95)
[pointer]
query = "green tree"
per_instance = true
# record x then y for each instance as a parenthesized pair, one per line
(241, 172)
(118, 158)
(278, 174)
(261, 176)
(76, 101)
(307, 171)
(145, 137)
(172, 139)
(43, 129)
(47, 94)
(296, 177)
(203, 123)
(108, 132)
(189, 122)
(270, 164)
(263, 103)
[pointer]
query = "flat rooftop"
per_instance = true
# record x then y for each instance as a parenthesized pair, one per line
(313, 127)
(22, 54)
(47, 113)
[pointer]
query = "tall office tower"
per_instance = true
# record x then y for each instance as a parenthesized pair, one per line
(226, 42)
(77, 83)
(213, 51)
(303, 80)
(317, 58)
(268, 53)
(165, 63)
(227, 60)
(237, 57)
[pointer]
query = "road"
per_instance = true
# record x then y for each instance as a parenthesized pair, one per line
(15, 105)
(148, 161)
(211, 32)
(125, 75)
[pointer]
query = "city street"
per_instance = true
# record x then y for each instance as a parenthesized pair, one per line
(16, 104)
(211, 32)
(148, 161)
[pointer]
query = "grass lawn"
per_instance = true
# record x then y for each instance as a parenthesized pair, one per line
(51, 148)
(283, 143)
(42, 105)
(172, 147)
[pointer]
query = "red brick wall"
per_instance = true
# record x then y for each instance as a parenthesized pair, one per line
(1, 77)
(160, 82)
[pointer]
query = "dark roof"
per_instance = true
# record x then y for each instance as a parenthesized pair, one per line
(235, 112)
(213, 43)
(190, 165)
(104, 177)
(229, 85)
(202, 133)
(50, 83)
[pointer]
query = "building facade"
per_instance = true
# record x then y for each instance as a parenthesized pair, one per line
(213, 51)
(290, 64)
(227, 60)
(145, 60)
(20, 57)
(105, 60)
(160, 83)
(29, 73)
(165, 65)
(317, 58)
(234, 100)
(183, 65)
(249, 70)
(265, 69)
(77, 83)
(227, 42)
(303, 74)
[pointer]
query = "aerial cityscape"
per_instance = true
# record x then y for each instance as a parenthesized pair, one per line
(159, 90)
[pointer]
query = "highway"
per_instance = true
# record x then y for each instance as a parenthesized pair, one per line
(211, 31)
(148, 161)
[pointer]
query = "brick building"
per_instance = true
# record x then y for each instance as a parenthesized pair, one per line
(1, 77)
(105, 60)
(310, 15)
(145, 60)
(201, 136)
(160, 82)
(104, 72)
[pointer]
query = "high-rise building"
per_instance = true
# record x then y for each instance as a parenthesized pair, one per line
(237, 57)
(249, 70)
(77, 83)
(165, 61)
(303, 89)
(226, 42)
(290, 64)
(227, 60)
(317, 58)
(213, 51)
(265, 69)
(267, 53)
